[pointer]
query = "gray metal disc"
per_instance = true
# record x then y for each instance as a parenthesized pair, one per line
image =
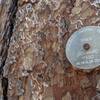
(83, 48)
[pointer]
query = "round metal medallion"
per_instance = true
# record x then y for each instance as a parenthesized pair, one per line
(83, 48)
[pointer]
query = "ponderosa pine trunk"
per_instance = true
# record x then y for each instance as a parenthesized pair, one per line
(33, 64)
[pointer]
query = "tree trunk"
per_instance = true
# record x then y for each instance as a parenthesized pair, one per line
(33, 64)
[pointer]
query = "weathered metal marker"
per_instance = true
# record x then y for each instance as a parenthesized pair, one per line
(83, 48)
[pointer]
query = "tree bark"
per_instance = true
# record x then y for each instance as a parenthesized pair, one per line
(33, 64)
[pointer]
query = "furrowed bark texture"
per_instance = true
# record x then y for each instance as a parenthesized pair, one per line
(33, 35)
(5, 38)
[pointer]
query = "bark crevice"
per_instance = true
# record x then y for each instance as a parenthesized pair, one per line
(7, 34)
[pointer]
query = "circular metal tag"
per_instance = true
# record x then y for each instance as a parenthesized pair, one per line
(83, 48)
